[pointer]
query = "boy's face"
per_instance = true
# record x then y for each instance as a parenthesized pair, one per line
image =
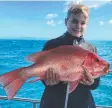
(76, 24)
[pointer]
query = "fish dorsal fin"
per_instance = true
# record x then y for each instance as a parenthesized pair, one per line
(38, 55)
(73, 86)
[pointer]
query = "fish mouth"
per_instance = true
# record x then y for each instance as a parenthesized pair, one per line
(106, 69)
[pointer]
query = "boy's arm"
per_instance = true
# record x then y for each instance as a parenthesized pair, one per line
(97, 80)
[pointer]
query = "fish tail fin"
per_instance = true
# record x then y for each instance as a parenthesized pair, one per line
(12, 82)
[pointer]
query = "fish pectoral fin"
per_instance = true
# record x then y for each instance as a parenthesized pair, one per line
(36, 79)
(73, 86)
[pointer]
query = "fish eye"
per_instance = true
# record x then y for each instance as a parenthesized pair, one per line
(97, 60)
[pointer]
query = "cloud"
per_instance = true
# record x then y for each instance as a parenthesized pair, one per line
(50, 16)
(51, 23)
(50, 20)
(110, 22)
(94, 6)
(91, 4)
(54, 23)
(101, 23)
(60, 22)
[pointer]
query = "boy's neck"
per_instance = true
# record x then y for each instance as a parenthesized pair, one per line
(71, 36)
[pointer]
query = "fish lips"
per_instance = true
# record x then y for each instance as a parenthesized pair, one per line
(106, 69)
(103, 72)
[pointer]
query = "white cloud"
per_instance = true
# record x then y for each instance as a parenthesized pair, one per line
(110, 22)
(50, 16)
(54, 23)
(60, 22)
(50, 20)
(101, 23)
(90, 4)
(94, 6)
(51, 23)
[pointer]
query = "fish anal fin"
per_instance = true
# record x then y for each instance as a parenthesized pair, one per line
(73, 86)
(36, 79)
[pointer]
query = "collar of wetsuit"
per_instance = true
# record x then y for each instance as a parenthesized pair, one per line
(69, 36)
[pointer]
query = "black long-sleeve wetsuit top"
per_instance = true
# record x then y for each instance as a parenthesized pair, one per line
(54, 96)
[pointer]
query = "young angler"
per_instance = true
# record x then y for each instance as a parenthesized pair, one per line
(55, 92)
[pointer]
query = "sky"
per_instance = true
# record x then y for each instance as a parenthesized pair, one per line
(45, 19)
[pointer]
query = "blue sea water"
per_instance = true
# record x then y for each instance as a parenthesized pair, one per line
(12, 54)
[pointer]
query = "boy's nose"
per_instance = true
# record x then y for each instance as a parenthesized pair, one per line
(78, 26)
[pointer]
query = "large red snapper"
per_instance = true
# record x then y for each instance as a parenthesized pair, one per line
(69, 62)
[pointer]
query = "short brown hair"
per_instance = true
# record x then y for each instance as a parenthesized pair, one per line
(78, 8)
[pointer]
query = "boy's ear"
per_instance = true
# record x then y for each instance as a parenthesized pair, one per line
(65, 21)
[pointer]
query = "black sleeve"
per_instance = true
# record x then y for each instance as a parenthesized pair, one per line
(95, 84)
(97, 80)
(46, 46)
(49, 45)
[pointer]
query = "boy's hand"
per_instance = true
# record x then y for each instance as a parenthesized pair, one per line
(51, 78)
(87, 79)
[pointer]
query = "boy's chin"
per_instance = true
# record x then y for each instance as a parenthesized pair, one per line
(77, 35)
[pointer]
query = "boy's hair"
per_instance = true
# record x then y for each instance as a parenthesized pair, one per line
(78, 8)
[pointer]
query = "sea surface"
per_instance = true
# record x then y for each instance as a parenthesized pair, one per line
(12, 56)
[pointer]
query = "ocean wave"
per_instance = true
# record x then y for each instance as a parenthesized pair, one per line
(6, 56)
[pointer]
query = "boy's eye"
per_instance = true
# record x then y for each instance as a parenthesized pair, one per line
(74, 22)
(83, 23)
(97, 60)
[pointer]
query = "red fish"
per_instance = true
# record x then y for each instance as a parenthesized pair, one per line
(69, 62)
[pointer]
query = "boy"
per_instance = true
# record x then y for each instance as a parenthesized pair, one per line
(55, 91)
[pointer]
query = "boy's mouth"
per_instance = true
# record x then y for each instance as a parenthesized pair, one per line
(76, 30)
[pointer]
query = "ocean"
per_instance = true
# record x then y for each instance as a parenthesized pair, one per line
(12, 56)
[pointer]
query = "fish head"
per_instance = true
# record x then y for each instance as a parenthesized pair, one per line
(95, 65)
